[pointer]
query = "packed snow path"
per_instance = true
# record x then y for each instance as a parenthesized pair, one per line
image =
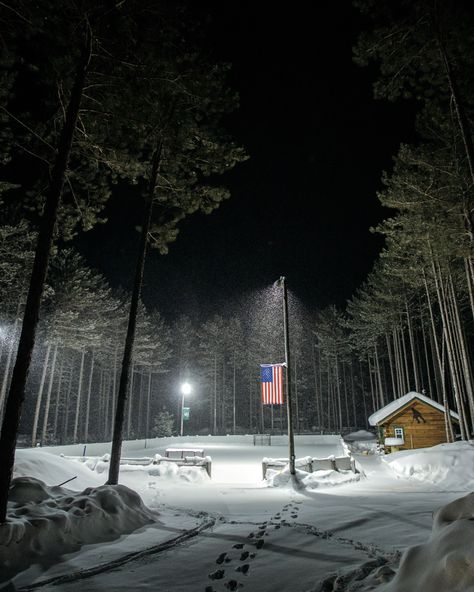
(262, 539)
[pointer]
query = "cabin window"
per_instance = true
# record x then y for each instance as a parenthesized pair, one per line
(399, 433)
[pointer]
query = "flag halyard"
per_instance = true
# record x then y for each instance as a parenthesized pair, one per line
(272, 383)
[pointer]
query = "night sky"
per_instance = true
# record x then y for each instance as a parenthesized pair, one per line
(302, 205)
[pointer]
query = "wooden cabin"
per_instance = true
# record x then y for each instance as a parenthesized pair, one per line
(414, 420)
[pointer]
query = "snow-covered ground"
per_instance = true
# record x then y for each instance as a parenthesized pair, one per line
(233, 530)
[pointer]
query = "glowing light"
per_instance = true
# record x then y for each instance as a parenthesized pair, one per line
(186, 388)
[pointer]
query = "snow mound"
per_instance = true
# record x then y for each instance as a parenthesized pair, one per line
(45, 522)
(310, 481)
(167, 471)
(444, 563)
(329, 479)
(450, 465)
(54, 469)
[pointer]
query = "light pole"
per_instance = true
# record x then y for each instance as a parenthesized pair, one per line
(185, 390)
(291, 438)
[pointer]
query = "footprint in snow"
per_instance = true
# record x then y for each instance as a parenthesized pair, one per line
(221, 558)
(217, 575)
(244, 555)
(232, 585)
(238, 546)
(243, 568)
(259, 544)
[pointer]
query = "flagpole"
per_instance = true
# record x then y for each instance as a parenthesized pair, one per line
(291, 437)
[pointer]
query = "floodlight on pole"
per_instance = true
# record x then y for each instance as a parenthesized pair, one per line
(186, 389)
(281, 283)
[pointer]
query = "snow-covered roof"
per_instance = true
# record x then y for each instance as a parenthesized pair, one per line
(394, 406)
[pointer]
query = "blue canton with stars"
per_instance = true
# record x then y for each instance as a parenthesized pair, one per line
(267, 374)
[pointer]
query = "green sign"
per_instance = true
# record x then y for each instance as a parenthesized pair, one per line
(185, 413)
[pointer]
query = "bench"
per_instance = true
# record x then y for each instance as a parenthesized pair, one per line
(312, 465)
(186, 457)
(183, 452)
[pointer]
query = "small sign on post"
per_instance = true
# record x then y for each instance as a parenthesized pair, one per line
(186, 413)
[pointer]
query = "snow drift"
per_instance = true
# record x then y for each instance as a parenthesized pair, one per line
(449, 465)
(54, 469)
(46, 522)
(443, 564)
(310, 481)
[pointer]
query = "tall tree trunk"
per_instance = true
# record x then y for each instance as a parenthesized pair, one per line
(412, 347)
(427, 358)
(40, 396)
(138, 435)
(338, 387)
(113, 402)
(148, 397)
(130, 399)
(79, 397)
(233, 394)
(48, 397)
(379, 376)
(66, 405)
(405, 358)
(366, 415)
(462, 348)
(329, 393)
(16, 394)
(346, 402)
(390, 363)
(114, 468)
(354, 411)
(447, 414)
(469, 285)
(250, 406)
(374, 404)
(214, 408)
(11, 348)
(88, 400)
(440, 359)
(58, 398)
(449, 349)
(316, 395)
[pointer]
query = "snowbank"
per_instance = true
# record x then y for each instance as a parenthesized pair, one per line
(449, 465)
(310, 481)
(47, 522)
(329, 479)
(53, 469)
(168, 471)
(443, 564)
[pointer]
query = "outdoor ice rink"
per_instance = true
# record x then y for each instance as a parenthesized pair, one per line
(260, 538)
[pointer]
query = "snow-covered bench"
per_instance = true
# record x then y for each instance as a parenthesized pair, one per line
(186, 457)
(182, 452)
(311, 465)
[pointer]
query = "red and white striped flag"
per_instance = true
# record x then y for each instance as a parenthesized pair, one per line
(272, 384)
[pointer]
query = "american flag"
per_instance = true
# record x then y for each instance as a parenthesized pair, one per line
(272, 384)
